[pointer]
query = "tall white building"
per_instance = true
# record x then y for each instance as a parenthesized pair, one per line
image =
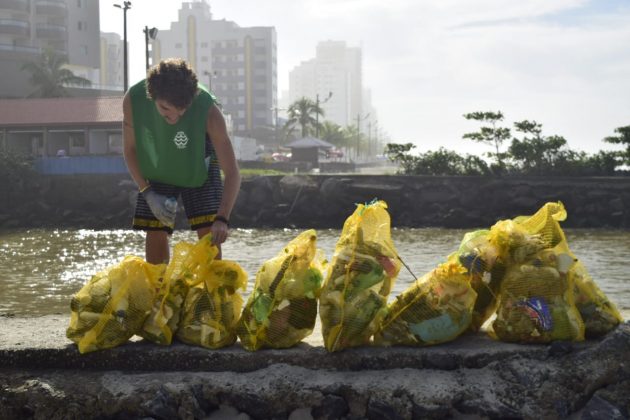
(27, 27)
(112, 61)
(336, 68)
(238, 64)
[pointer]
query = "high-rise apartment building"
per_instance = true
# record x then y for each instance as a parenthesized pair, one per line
(336, 69)
(27, 27)
(112, 61)
(238, 64)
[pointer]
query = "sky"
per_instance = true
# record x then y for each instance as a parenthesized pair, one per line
(563, 63)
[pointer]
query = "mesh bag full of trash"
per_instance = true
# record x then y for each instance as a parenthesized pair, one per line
(163, 321)
(437, 308)
(536, 299)
(282, 309)
(213, 303)
(113, 305)
(353, 302)
(485, 272)
(599, 314)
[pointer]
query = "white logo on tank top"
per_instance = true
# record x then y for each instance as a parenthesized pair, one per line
(180, 140)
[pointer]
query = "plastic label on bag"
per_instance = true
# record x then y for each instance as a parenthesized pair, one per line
(538, 310)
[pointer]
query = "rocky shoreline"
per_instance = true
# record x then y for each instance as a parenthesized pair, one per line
(325, 201)
(42, 375)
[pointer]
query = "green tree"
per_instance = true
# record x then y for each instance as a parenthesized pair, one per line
(439, 162)
(303, 112)
(333, 133)
(624, 139)
(491, 135)
(50, 77)
(399, 153)
(535, 154)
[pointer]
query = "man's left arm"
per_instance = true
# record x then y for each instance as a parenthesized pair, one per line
(217, 131)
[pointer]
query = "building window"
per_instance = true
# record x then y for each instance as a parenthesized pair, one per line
(204, 45)
(78, 3)
(178, 45)
(84, 49)
(76, 141)
(204, 59)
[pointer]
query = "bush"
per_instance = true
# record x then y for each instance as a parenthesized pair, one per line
(15, 167)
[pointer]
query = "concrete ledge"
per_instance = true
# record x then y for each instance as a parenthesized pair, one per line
(41, 343)
(42, 375)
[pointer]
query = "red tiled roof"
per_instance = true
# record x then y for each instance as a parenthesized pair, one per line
(60, 111)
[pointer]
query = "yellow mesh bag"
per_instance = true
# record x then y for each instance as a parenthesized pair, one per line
(437, 308)
(165, 315)
(600, 315)
(113, 305)
(536, 302)
(213, 304)
(282, 309)
(479, 258)
(353, 302)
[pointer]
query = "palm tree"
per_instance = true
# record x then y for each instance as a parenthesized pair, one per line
(49, 76)
(303, 112)
(333, 133)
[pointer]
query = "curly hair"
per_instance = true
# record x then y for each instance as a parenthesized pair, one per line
(172, 80)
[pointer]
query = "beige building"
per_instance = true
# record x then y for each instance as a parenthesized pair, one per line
(238, 64)
(70, 27)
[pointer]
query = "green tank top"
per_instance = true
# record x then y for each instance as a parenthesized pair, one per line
(171, 153)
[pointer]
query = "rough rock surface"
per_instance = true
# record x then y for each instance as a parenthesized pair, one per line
(42, 375)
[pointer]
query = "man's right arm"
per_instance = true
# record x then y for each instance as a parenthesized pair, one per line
(129, 145)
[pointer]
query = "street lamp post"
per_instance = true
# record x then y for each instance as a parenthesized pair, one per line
(359, 119)
(125, 6)
(317, 111)
(275, 110)
(211, 75)
(148, 33)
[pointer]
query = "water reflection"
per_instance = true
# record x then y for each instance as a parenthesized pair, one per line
(41, 269)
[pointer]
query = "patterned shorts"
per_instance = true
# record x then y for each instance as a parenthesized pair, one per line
(200, 203)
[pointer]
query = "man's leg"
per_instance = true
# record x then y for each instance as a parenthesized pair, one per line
(156, 247)
(203, 231)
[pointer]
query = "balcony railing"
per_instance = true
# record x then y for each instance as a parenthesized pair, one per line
(15, 5)
(51, 8)
(50, 31)
(14, 27)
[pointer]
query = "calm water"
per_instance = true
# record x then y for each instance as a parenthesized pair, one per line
(41, 269)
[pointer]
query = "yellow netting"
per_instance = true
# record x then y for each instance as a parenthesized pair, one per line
(282, 309)
(479, 257)
(353, 302)
(437, 308)
(113, 305)
(165, 315)
(213, 304)
(599, 314)
(536, 302)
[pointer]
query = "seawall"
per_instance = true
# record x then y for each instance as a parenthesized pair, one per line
(42, 375)
(325, 201)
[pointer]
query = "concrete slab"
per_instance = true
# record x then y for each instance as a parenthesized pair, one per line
(40, 342)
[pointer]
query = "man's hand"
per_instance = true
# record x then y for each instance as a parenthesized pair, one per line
(219, 231)
(157, 204)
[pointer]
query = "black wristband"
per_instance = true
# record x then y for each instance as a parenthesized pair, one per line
(222, 219)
